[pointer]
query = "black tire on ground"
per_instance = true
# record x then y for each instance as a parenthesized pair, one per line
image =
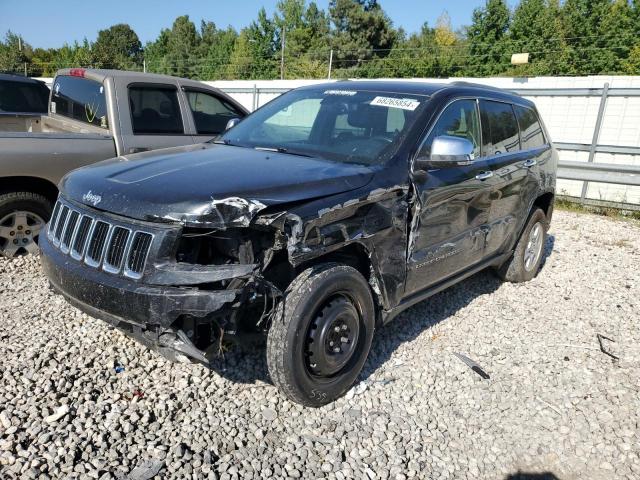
(320, 301)
(516, 269)
(24, 202)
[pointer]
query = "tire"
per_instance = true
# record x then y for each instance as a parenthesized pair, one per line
(311, 320)
(22, 218)
(525, 262)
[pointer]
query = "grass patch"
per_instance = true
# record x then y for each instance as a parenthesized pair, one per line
(571, 206)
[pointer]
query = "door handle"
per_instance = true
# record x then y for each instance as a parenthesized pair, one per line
(530, 163)
(484, 175)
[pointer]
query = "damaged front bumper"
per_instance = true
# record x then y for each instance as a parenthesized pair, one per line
(162, 316)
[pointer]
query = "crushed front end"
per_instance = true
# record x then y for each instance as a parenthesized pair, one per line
(178, 290)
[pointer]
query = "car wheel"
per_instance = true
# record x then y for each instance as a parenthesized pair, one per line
(23, 216)
(527, 256)
(321, 334)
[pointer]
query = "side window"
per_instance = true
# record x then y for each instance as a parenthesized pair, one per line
(155, 110)
(459, 119)
(210, 113)
(499, 128)
(530, 129)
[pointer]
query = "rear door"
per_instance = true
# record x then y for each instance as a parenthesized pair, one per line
(155, 120)
(507, 163)
(452, 205)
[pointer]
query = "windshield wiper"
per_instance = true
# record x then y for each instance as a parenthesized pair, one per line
(283, 150)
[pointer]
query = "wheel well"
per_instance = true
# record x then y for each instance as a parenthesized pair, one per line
(29, 184)
(545, 202)
(355, 255)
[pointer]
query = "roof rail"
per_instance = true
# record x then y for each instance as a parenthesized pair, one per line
(463, 83)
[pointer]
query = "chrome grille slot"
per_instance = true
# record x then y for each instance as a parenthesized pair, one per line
(80, 241)
(116, 248)
(97, 243)
(138, 254)
(99, 240)
(60, 224)
(69, 230)
(54, 217)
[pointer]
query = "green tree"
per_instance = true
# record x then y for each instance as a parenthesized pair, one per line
(587, 52)
(117, 47)
(618, 32)
(182, 46)
(362, 32)
(536, 28)
(254, 54)
(14, 53)
(487, 38)
(155, 53)
(631, 66)
(216, 47)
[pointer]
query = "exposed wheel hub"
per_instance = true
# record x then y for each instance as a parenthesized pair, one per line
(18, 233)
(332, 337)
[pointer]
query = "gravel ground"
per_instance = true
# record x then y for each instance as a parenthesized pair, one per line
(554, 403)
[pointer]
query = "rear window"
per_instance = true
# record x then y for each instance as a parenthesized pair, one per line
(80, 99)
(530, 129)
(23, 97)
(155, 110)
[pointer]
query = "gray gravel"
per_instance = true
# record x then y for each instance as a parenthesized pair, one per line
(554, 402)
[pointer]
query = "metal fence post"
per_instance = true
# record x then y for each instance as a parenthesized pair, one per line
(596, 136)
(255, 97)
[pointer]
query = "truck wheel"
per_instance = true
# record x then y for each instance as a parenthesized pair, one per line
(22, 219)
(526, 259)
(321, 334)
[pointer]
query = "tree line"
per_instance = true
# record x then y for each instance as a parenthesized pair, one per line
(356, 38)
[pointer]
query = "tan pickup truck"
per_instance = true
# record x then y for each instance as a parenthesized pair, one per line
(95, 115)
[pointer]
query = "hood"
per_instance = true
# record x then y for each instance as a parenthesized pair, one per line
(207, 185)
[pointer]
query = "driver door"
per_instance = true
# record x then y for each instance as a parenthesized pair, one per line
(451, 206)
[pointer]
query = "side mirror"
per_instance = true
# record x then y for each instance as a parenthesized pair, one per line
(232, 123)
(447, 150)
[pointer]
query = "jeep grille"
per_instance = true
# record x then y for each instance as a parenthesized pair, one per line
(98, 241)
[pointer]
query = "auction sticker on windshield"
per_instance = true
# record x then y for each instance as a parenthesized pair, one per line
(403, 103)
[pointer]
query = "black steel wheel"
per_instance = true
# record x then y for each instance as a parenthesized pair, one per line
(321, 335)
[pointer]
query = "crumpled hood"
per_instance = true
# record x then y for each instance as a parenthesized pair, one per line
(207, 185)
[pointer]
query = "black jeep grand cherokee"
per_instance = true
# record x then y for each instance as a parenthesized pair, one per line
(314, 221)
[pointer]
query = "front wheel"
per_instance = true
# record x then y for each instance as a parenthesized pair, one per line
(321, 334)
(527, 256)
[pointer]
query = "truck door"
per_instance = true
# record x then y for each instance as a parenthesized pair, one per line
(451, 204)
(155, 119)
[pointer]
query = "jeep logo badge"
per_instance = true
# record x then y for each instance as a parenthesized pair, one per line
(91, 198)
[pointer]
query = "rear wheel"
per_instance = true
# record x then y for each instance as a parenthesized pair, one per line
(23, 216)
(527, 256)
(321, 334)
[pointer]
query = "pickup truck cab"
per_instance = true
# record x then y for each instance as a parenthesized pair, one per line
(314, 221)
(95, 115)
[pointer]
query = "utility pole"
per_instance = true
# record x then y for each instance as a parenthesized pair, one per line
(144, 66)
(330, 63)
(282, 54)
(20, 43)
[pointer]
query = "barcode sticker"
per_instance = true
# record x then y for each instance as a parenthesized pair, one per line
(403, 103)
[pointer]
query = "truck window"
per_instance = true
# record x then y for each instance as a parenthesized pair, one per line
(499, 128)
(531, 133)
(23, 97)
(459, 119)
(80, 99)
(210, 113)
(155, 110)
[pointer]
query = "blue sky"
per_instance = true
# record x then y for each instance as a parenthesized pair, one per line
(51, 23)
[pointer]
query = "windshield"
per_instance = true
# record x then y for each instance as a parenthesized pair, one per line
(81, 99)
(349, 126)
